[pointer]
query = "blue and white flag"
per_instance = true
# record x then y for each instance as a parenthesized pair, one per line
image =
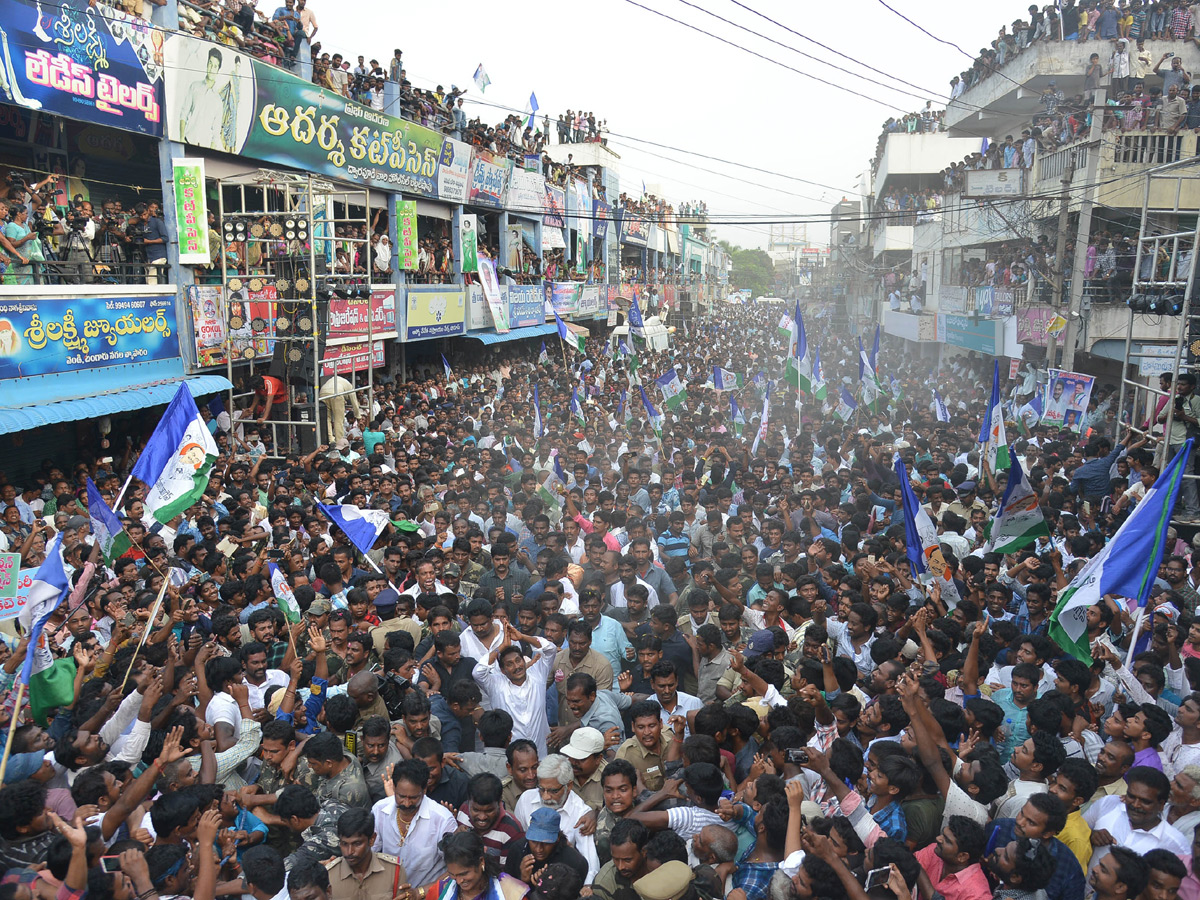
(846, 406)
(673, 389)
(655, 418)
(637, 325)
(446, 366)
(576, 409)
(283, 594)
(572, 340)
(874, 357)
(725, 380)
(361, 526)
(762, 424)
(939, 405)
(1126, 566)
(49, 682)
(531, 108)
(991, 433)
(538, 431)
(921, 544)
(543, 356)
(177, 459)
(107, 528)
(481, 78)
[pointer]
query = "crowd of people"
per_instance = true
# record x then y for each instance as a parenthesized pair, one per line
(598, 648)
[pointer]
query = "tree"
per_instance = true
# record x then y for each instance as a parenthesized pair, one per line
(752, 269)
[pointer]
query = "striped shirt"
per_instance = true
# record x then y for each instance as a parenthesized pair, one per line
(503, 832)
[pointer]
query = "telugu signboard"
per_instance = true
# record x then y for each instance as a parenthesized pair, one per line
(191, 211)
(432, 311)
(90, 63)
(58, 334)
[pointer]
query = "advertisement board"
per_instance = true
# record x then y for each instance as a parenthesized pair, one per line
(634, 231)
(489, 175)
(491, 293)
(526, 193)
(589, 300)
(348, 315)
(1032, 323)
(89, 63)
(556, 207)
(526, 305)
(433, 311)
(972, 334)
(406, 234)
(478, 317)
(564, 296)
(454, 171)
(58, 334)
(10, 608)
(600, 224)
(224, 100)
(191, 211)
(346, 358)
(995, 183)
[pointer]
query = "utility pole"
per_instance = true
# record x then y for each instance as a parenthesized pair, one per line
(1083, 234)
(1060, 253)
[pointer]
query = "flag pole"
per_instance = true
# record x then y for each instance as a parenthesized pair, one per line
(1137, 626)
(12, 727)
(154, 614)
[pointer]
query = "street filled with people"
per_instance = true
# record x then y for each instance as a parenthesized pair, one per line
(743, 617)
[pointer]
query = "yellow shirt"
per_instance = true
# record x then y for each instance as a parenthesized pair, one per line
(1077, 835)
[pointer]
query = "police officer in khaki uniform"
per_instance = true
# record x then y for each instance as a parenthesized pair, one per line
(360, 873)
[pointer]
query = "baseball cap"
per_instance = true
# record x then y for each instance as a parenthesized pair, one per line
(584, 742)
(320, 607)
(77, 522)
(543, 826)
(760, 642)
(452, 569)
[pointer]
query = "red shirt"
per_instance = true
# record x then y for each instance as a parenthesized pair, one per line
(272, 387)
(968, 884)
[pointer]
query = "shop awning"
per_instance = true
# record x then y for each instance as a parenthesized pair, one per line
(530, 331)
(27, 417)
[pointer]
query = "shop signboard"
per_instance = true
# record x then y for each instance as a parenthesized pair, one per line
(208, 323)
(1157, 359)
(59, 334)
(589, 300)
(478, 317)
(10, 569)
(972, 334)
(634, 231)
(89, 63)
(454, 171)
(406, 234)
(433, 311)
(10, 607)
(526, 305)
(347, 358)
(191, 211)
(556, 207)
(488, 176)
(224, 100)
(1032, 323)
(564, 298)
(1004, 302)
(210, 315)
(526, 193)
(985, 298)
(348, 315)
(600, 223)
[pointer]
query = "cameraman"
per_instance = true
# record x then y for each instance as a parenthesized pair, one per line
(155, 242)
(81, 233)
(111, 238)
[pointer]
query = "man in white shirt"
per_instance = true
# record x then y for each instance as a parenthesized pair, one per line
(518, 686)
(554, 792)
(410, 826)
(1135, 821)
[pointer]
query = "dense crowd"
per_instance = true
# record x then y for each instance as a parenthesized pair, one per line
(589, 655)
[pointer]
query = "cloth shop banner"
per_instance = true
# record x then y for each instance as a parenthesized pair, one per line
(92, 64)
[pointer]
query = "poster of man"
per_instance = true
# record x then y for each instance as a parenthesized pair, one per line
(210, 95)
(1067, 395)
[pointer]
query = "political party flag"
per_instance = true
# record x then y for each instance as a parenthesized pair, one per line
(991, 434)
(655, 418)
(846, 406)
(819, 388)
(49, 682)
(543, 356)
(481, 78)
(939, 405)
(762, 424)
(177, 459)
(1019, 522)
(869, 387)
(922, 547)
(625, 413)
(874, 357)
(1126, 566)
(568, 337)
(531, 108)
(784, 329)
(106, 526)
(637, 325)
(576, 409)
(799, 369)
(538, 431)
(362, 526)
(725, 380)
(283, 593)
(737, 417)
(446, 366)
(673, 389)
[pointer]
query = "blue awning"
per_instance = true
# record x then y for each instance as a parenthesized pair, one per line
(27, 417)
(530, 331)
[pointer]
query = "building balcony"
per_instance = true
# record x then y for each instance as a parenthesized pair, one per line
(892, 238)
(919, 154)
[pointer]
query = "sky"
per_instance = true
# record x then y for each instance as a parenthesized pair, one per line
(658, 82)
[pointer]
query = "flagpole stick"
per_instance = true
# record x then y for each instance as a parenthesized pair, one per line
(562, 345)
(154, 613)
(1137, 626)
(12, 727)
(124, 488)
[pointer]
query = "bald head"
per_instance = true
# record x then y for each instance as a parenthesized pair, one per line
(363, 688)
(715, 844)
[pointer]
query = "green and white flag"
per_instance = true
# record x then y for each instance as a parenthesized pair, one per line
(543, 356)
(846, 407)
(107, 528)
(819, 388)
(655, 418)
(737, 417)
(1126, 566)
(673, 389)
(576, 409)
(1019, 522)
(785, 329)
(177, 459)
(725, 380)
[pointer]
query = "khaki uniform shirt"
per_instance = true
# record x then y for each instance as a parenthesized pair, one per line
(595, 664)
(649, 763)
(592, 790)
(384, 875)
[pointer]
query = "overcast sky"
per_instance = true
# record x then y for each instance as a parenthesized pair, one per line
(659, 81)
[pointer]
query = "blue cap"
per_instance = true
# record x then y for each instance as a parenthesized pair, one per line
(543, 826)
